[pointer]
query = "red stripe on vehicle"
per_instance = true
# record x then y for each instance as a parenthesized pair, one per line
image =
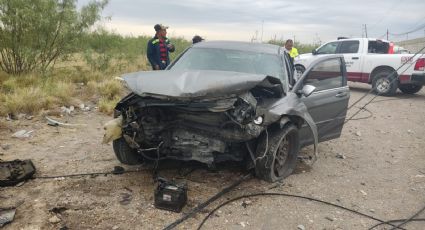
(404, 78)
(358, 76)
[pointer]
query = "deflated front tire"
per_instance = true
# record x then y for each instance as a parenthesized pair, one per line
(125, 153)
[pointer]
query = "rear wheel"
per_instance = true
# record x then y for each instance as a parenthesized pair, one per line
(385, 83)
(125, 153)
(277, 153)
(410, 88)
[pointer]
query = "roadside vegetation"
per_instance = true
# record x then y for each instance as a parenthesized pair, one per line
(53, 55)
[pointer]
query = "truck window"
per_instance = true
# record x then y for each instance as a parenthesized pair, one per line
(329, 48)
(326, 75)
(378, 47)
(349, 47)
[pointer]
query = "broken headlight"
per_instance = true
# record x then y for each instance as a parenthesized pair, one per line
(243, 112)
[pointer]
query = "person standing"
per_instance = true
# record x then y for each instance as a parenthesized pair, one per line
(159, 47)
(289, 46)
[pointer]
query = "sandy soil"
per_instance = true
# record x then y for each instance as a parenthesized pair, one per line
(381, 174)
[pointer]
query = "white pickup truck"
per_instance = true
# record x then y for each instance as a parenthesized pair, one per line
(368, 61)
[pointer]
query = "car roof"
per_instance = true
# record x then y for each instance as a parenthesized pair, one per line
(242, 46)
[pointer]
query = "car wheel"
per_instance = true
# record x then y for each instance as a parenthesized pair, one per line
(125, 153)
(385, 83)
(410, 88)
(277, 153)
(300, 69)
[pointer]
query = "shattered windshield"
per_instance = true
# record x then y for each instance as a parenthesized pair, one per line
(231, 60)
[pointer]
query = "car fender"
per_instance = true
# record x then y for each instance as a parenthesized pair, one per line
(292, 106)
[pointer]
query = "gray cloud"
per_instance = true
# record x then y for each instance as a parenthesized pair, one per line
(302, 18)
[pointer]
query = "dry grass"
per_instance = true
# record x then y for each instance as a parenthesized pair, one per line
(61, 87)
(25, 100)
(110, 89)
(107, 105)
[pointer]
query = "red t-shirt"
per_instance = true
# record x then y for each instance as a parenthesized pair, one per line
(162, 50)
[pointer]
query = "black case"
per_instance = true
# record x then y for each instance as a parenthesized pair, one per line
(170, 196)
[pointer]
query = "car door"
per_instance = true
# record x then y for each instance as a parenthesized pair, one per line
(328, 103)
(353, 60)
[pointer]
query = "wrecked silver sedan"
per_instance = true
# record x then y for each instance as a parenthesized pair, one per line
(236, 101)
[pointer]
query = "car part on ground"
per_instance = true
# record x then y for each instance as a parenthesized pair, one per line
(16, 171)
(170, 196)
(6, 215)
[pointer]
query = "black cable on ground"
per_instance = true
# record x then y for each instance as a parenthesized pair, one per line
(289, 195)
(362, 118)
(395, 221)
(408, 220)
(116, 171)
(209, 201)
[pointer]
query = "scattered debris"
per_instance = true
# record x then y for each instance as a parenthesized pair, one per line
(6, 215)
(242, 224)
(14, 172)
(358, 133)
(410, 131)
(245, 203)
(115, 227)
(5, 146)
(52, 122)
(58, 210)
(300, 227)
(23, 134)
(29, 117)
(54, 219)
(363, 192)
(340, 156)
(420, 176)
(126, 198)
(329, 218)
(66, 110)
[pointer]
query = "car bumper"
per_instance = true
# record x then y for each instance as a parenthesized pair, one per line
(418, 79)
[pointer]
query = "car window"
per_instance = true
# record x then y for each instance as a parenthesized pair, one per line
(329, 48)
(325, 75)
(378, 47)
(231, 60)
(349, 47)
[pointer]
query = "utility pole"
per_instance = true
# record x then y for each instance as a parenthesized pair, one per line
(365, 28)
(262, 28)
(387, 34)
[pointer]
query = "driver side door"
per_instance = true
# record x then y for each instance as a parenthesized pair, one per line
(328, 103)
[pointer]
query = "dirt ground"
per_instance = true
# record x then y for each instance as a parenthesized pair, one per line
(377, 167)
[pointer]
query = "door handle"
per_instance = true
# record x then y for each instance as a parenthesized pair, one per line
(341, 94)
(355, 58)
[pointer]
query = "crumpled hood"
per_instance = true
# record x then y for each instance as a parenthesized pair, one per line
(194, 84)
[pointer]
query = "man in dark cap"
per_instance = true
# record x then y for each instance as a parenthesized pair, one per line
(159, 47)
(197, 39)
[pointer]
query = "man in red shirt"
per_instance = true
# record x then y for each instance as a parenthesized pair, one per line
(159, 47)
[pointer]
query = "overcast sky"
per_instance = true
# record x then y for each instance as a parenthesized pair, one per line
(306, 20)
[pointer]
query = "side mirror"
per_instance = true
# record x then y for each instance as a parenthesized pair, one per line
(314, 52)
(307, 90)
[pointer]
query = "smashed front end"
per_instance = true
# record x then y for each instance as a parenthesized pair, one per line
(204, 126)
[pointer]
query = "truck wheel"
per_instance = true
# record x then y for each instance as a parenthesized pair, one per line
(125, 153)
(385, 83)
(300, 69)
(277, 160)
(410, 88)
